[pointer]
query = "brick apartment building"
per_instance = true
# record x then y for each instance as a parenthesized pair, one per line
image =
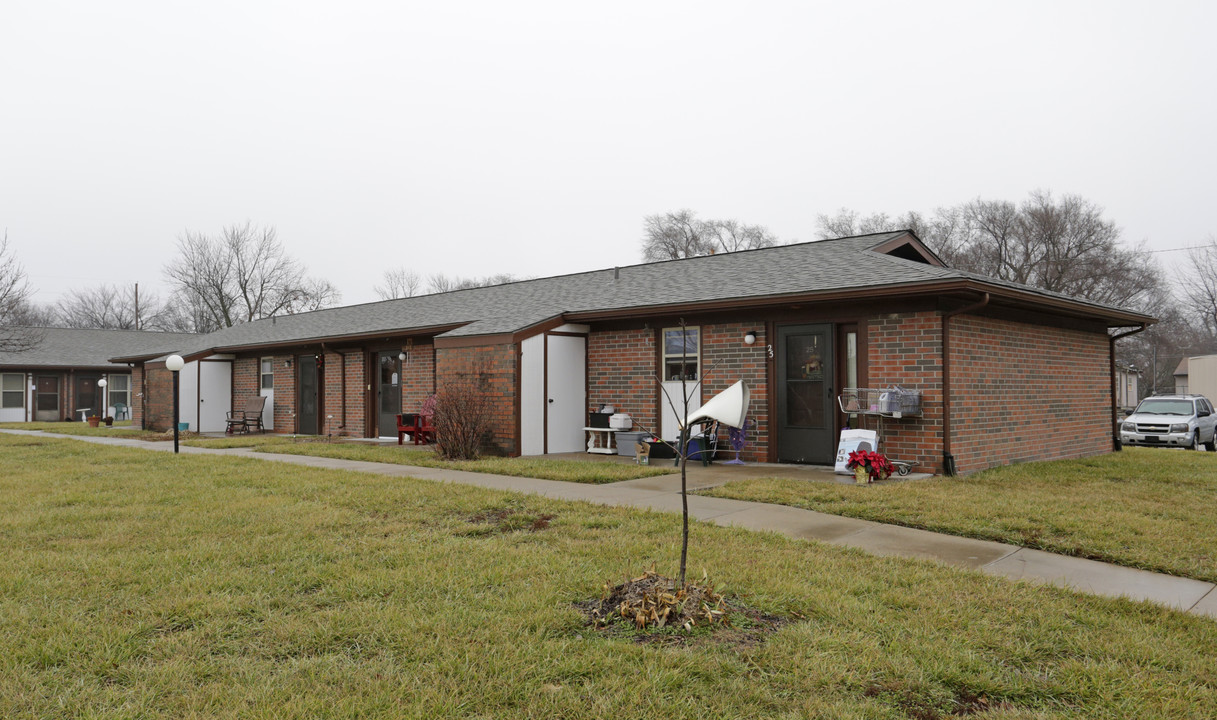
(1006, 372)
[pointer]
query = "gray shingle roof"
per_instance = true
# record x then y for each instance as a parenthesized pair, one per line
(821, 266)
(88, 348)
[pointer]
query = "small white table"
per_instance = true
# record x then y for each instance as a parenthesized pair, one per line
(600, 440)
(84, 412)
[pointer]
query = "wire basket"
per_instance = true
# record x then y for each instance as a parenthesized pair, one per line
(893, 401)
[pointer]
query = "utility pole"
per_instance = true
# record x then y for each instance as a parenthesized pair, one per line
(137, 306)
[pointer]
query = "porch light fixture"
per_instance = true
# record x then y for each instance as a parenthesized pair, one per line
(174, 364)
(750, 337)
(403, 356)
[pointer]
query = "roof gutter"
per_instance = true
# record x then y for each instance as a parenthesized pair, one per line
(1111, 357)
(948, 460)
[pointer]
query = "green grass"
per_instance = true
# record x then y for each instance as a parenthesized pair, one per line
(120, 429)
(1148, 508)
(589, 470)
(139, 585)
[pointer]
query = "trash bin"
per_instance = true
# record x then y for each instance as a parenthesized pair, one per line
(626, 442)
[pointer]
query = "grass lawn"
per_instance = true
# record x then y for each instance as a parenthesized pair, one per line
(121, 428)
(139, 585)
(238, 441)
(581, 471)
(1148, 508)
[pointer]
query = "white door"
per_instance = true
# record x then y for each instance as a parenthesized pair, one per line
(532, 396)
(215, 395)
(566, 396)
(673, 406)
(188, 396)
(266, 374)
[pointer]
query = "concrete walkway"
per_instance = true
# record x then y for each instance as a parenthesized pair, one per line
(662, 493)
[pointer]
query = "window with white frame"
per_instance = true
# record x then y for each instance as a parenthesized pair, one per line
(268, 374)
(681, 353)
(120, 391)
(12, 391)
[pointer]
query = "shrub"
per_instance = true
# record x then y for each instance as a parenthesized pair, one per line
(462, 416)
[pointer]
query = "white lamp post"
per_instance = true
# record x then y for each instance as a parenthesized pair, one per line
(174, 364)
(105, 406)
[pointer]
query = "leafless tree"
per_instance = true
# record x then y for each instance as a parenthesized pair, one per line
(399, 283)
(1198, 284)
(16, 311)
(242, 275)
(1063, 245)
(440, 283)
(682, 234)
(108, 307)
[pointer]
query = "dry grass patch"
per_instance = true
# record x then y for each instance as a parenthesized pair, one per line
(121, 429)
(1147, 508)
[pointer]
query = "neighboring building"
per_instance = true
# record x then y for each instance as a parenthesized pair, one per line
(1198, 375)
(58, 378)
(1007, 372)
(1181, 373)
(1128, 390)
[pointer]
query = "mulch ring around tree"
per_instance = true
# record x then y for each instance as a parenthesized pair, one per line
(651, 609)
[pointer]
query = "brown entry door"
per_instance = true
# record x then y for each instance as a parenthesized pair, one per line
(805, 417)
(87, 396)
(46, 399)
(308, 412)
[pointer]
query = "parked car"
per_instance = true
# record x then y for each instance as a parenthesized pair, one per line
(1172, 421)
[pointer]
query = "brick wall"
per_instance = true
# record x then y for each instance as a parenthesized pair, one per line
(334, 420)
(246, 380)
(137, 396)
(285, 393)
(621, 368)
(726, 359)
(417, 377)
(499, 363)
(160, 398)
(1027, 392)
(905, 349)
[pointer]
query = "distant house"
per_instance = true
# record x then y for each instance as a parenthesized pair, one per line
(58, 378)
(1197, 374)
(1181, 373)
(1006, 372)
(1128, 385)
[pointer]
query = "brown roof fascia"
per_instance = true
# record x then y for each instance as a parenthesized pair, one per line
(11, 367)
(538, 328)
(1060, 305)
(429, 330)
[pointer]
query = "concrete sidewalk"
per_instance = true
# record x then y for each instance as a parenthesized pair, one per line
(662, 493)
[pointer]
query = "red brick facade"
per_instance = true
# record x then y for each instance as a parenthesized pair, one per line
(498, 362)
(159, 398)
(726, 358)
(1027, 392)
(906, 350)
(621, 370)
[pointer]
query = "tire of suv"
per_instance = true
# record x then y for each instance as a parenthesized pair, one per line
(1211, 445)
(1195, 443)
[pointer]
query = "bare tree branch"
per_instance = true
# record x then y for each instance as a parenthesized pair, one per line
(16, 310)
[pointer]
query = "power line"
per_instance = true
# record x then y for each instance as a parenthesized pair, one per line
(1193, 247)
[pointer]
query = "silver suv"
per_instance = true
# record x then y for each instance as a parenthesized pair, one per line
(1172, 421)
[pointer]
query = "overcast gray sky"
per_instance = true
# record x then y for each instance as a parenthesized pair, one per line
(531, 138)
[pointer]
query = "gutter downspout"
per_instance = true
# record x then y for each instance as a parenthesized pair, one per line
(1111, 358)
(948, 460)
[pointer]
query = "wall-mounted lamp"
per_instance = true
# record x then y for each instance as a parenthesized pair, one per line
(287, 362)
(403, 356)
(750, 337)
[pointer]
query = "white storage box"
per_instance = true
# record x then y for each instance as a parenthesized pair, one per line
(621, 421)
(852, 440)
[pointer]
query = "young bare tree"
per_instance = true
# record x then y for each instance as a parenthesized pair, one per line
(16, 311)
(399, 283)
(682, 234)
(242, 275)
